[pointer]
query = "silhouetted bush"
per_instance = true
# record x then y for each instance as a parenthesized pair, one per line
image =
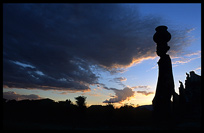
(64, 113)
(80, 100)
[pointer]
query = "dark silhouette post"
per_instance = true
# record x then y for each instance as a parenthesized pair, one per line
(165, 83)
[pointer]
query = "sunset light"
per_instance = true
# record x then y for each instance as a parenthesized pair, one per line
(104, 52)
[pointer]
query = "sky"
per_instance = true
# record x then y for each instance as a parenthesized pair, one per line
(104, 52)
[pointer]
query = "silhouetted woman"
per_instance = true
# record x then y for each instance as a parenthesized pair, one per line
(165, 83)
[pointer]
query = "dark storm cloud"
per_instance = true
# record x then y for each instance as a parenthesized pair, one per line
(10, 95)
(64, 42)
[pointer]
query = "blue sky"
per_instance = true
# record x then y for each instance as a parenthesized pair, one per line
(104, 52)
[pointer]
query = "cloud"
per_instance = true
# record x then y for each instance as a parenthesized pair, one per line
(120, 95)
(189, 30)
(57, 46)
(13, 95)
(119, 80)
(64, 93)
(145, 92)
(141, 86)
(194, 53)
(186, 58)
(197, 70)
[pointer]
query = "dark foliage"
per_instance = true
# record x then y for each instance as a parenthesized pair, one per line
(48, 114)
(80, 100)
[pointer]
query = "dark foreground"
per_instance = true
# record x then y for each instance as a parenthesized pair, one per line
(15, 125)
(49, 115)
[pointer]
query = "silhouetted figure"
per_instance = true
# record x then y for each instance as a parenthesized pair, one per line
(182, 99)
(189, 105)
(165, 83)
(193, 92)
(176, 100)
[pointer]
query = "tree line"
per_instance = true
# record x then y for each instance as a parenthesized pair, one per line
(47, 111)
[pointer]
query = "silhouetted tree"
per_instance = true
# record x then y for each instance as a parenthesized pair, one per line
(80, 100)
(68, 102)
